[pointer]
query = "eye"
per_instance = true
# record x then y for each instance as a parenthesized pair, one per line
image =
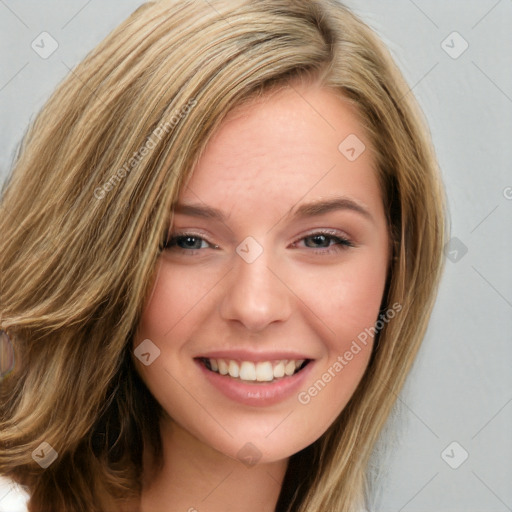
(324, 242)
(187, 242)
(319, 241)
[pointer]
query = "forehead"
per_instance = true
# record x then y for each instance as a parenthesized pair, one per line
(282, 146)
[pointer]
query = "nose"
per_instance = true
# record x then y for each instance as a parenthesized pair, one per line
(256, 295)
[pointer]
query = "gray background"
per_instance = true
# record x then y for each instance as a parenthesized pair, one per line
(461, 385)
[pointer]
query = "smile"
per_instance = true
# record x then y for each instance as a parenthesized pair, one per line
(249, 371)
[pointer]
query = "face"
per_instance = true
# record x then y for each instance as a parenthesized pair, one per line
(275, 263)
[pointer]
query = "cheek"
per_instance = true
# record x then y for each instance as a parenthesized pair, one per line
(175, 300)
(168, 320)
(174, 311)
(347, 306)
(346, 300)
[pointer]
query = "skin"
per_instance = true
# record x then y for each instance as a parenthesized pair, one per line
(311, 295)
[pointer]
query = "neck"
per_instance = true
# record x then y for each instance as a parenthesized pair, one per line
(195, 477)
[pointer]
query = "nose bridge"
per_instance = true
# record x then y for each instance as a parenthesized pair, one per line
(255, 297)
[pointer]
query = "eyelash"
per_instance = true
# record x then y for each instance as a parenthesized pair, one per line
(171, 242)
(340, 242)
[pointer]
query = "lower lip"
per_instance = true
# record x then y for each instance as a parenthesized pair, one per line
(260, 393)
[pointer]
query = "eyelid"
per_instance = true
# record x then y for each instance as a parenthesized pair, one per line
(334, 233)
(179, 234)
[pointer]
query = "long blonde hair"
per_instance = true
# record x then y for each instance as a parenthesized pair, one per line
(87, 207)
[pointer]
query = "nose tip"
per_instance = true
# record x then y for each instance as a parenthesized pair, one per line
(254, 296)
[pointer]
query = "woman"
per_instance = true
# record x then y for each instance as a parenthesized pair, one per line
(222, 245)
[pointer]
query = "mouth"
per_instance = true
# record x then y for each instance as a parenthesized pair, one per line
(254, 372)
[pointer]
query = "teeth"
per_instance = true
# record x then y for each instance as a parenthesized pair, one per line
(279, 369)
(223, 366)
(264, 371)
(247, 371)
(289, 368)
(234, 369)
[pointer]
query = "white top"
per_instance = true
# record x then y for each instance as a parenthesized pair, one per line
(13, 498)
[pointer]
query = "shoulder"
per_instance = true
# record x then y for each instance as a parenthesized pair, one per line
(13, 498)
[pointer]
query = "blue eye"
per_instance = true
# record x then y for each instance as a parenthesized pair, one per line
(186, 242)
(320, 241)
(324, 242)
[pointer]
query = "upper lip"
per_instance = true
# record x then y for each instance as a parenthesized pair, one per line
(246, 355)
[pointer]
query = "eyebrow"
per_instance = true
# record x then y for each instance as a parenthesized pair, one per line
(323, 206)
(311, 209)
(196, 210)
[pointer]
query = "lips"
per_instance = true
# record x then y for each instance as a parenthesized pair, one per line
(269, 390)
